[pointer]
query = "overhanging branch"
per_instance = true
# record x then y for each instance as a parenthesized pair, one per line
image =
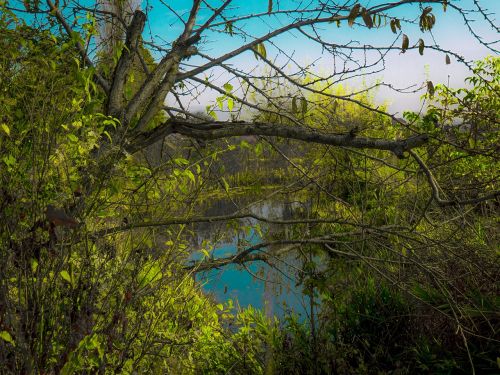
(220, 129)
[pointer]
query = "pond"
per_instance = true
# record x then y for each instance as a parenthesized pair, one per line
(276, 291)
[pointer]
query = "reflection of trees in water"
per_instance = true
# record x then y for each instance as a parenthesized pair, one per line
(282, 291)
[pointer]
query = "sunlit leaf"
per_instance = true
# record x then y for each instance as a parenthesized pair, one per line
(5, 129)
(9, 160)
(5, 336)
(190, 175)
(262, 49)
(150, 273)
(226, 185)
(66, 276)
(34, 265)
(228, 87)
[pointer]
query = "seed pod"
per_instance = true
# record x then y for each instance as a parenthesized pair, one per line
(353, 14)
(421, 46)
(406, 43)
(294, 104)
(393, 26)
(367, 18)
(448, 62)
(427, 10)
(303, 105)
(430, 88)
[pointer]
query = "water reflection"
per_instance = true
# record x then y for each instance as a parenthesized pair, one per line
(257, 284)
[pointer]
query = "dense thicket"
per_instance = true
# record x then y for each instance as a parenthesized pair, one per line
(403, 272)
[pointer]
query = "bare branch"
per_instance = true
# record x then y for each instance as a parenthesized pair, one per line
(435, 187)
(60, 18)
(220, 129)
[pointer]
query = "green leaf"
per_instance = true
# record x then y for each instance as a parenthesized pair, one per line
(190, 175)
(230, 104)
(9, 160)
(34, 265)
(226, 185)
(105, 132)
(66, 276)
(262, 50)
(7, 337)
(220, 102)
(73, 138)
(6, 129)
(181, 161)
(228, 87)
(149, 274)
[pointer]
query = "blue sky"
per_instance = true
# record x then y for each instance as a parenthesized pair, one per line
(402, 70)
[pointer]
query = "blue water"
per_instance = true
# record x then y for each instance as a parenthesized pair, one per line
(267, 289)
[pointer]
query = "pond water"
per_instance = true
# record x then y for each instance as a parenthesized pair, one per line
(275, 291)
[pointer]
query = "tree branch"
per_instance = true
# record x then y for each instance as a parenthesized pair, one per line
(60, 18)
(134, 31)
(435, 187)
(159, 83)
(220, 129)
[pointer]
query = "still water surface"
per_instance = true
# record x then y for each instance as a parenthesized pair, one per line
(259, 285)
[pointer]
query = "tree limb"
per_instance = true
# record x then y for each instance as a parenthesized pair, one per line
(221, 129)
(60, 18)
(435, 187)
(134, 31)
